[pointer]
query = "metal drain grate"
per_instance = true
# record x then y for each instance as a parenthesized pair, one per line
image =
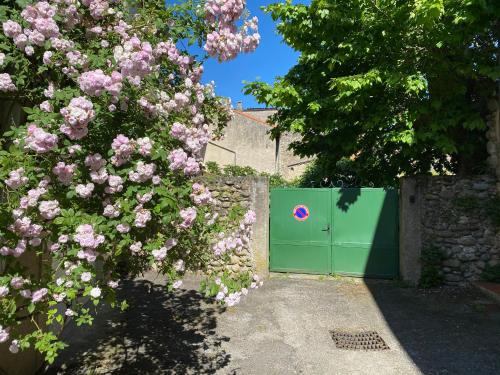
(368, 340)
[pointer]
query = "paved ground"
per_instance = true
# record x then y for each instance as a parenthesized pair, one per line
(283, 328)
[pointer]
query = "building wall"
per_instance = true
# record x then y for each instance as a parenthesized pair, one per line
(290, 165)
(247, 142)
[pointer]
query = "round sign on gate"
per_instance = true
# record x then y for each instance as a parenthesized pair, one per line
(301, 212)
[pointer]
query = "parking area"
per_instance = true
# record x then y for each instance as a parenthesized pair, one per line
(284, 328)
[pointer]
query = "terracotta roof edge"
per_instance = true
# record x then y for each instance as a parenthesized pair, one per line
(241, 113)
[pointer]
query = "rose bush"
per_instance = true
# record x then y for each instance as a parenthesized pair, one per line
(98, 182)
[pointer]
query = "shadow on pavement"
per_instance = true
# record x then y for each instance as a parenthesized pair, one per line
(445, 331)
(160, 333)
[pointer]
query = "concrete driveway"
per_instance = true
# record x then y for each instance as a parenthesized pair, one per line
(283, 328)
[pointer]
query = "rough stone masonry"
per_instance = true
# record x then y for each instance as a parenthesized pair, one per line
(249, 193)
(493, 137)
(449, 213)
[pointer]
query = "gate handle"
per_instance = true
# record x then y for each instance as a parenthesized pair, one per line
(327, 228)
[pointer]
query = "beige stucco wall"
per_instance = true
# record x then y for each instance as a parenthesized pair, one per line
(222, 156)
(247, 142)
(261, 114)
(290, 165)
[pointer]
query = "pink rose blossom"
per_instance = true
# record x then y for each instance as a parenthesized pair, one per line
(95, 292)
(39, 295)
(136, 247)
(39, 140)
(220, 296)
(49, 209)
(79, 112)
(86, 237)
(11, 29)
(145, 146)
(21, 41)
(16, 179)
(115, 184)
(123, 228)
(192, 167)
(64, 172)
(35, 242)
(112, 211)
(113, 284)
(250, 218)
(177, 284)
(145, 198)
(143, 172)
(29, 50)
(77, 116)
(4, 334)
(123, 148)
(179, 131)
(46, 106)
(3, 291)
(74, 149)
(177, 159)
(95, 162)
(189, 216)
(14, 347)
(6, 83)
(99, 177)
(93, 83)
(69, 313)
(84, 191)
(63, 238)
(160, 254)
(47, 55)
(179, 266)
(142, 217)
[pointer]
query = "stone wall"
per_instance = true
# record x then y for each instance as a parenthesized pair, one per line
(449, 213)
(493, 136)
(250, 193)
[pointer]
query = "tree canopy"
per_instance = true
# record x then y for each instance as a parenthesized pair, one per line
(402, 87)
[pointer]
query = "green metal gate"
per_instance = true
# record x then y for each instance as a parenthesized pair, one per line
(346, 231)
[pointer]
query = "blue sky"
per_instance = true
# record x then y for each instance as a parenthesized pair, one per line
(271, 59)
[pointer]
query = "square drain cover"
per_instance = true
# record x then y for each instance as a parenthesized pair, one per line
(366, 340)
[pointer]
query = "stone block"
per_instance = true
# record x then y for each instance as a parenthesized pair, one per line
(452, 263)
(468, 241)
(480, 186)
(452, 277)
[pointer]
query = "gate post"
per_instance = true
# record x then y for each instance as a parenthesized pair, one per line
(260, 241)
(410, 239)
